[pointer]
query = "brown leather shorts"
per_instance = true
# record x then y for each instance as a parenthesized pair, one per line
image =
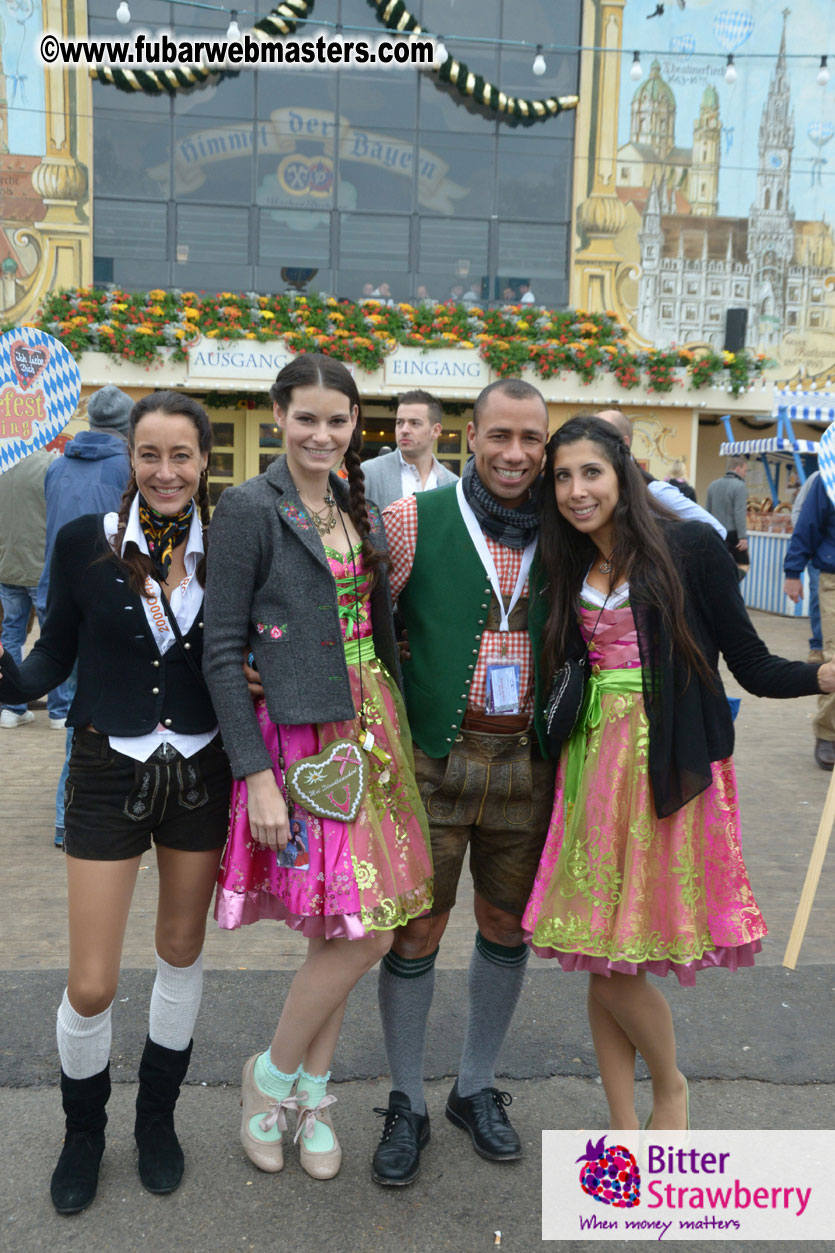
(493, 793)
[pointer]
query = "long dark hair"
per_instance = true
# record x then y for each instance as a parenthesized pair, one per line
(640, 549)
(175, 404)
(315, 369)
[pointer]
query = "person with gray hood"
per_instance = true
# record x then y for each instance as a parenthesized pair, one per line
(90, 478)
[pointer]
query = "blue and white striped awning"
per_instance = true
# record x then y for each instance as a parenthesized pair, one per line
(805, 406)
(780, 447)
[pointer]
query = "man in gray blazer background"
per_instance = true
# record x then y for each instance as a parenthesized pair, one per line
(412, 467)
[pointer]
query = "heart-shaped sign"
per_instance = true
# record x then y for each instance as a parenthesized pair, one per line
(331, 784)
(40, 384)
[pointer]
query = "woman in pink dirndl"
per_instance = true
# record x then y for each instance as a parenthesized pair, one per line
(298, 579)
(642, 869)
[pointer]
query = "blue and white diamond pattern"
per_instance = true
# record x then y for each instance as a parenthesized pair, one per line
(826, 461)
(60, 383)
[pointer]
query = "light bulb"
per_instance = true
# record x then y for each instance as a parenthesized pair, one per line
(123, 13)
(636, 70)
(233, 30)
(730, 70)
(539, 67)
(823, 73)
(441, 54)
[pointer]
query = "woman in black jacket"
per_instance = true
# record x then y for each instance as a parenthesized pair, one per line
(126, 599)
(642, 868)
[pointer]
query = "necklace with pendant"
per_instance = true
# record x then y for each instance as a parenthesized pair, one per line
(324, 519)
(605, 566)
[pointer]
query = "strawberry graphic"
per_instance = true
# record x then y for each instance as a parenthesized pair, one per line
(610, 1175)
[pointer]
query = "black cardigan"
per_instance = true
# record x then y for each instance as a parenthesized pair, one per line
(690, 723)
(124, 686)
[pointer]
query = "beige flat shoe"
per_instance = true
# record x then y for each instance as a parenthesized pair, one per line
(318, 1165)
(266, 1155)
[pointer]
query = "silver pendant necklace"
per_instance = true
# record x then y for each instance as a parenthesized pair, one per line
(605, 566)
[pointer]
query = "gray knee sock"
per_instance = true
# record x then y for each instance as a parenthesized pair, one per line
(405, 990)
(496, 977)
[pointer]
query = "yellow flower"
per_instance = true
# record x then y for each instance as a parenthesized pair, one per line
(728, 357)
(466, 343)
(179, 333)
(190, 312)
(120, 307)
(250, 335)
(145, 330)
(157, 311)
(337, 317)
(213, 334)
(156, 294)
(522, 325)
(266, 316)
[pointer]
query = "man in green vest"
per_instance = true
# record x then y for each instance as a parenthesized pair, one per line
(461, 557)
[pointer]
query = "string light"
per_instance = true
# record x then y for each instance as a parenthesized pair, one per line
(233, 30)
(539, 67)
(636, 70)
(441, 54)
(823, 73)
(123, 13)
(730, 70)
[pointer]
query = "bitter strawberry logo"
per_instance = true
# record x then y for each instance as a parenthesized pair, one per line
(610, 1175)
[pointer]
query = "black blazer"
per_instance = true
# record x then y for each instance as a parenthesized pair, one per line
(124, 686)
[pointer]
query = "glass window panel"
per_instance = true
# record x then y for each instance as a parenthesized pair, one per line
(534, 177)
(265, 460)
(213, 159)
(223, 464)
(374, 241)
(445, 243)
(295, 151)
(532, 249)
(456, 174)
(140, 275)
(118, 231)
(131, 154)
(223, 434)
(288, 237)
(216, 490)
(270, 436)
(376, 169)
(212, 233)
(442, 108)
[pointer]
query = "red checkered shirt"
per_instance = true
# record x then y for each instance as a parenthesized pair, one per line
(505, 647)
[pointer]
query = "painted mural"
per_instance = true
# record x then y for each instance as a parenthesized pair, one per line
(725, 187)
(44, 159)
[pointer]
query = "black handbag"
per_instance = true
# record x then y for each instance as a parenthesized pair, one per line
(565, 700)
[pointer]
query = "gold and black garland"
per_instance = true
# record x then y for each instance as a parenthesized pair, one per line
(393, 14)
(279, 22)
(396, 17)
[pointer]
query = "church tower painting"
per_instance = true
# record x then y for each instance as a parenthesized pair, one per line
(704, 170)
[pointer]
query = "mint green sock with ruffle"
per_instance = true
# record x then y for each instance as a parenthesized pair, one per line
(316, 1087)
(275, 1084)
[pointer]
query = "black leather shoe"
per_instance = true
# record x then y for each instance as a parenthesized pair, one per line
(483, 1115)
(825, 754)
(405, 1133)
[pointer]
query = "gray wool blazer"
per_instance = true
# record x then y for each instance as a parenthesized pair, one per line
(270, 591)
(383, 482)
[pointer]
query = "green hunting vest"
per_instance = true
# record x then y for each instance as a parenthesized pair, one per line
(445, 604)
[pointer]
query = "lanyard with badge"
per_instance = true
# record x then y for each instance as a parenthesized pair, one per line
(503, 678)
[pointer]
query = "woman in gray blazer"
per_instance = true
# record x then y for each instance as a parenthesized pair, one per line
(297, 578)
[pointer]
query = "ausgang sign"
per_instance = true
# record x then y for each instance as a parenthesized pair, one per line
(455, 369)
(236, 363)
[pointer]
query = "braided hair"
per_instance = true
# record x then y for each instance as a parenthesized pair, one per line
(316, 369)
(175, 404)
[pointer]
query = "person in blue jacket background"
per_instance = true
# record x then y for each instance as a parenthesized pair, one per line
(813, 540)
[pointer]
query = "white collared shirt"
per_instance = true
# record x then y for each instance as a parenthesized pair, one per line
(186, 599)
(410, 481)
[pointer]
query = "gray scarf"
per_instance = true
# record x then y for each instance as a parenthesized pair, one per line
(515, 528)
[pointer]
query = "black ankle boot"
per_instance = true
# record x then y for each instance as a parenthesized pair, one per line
(161, 1072)
(76, 1177)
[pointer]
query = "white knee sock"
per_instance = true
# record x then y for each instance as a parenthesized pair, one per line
(83, 1043)
(175, 1002)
